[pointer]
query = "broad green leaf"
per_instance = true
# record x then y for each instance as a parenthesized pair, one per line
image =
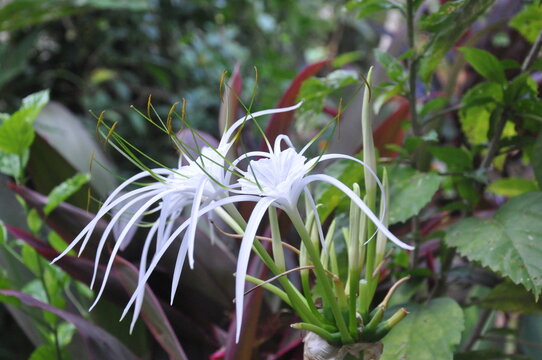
(456, 159)
(16, 136)
(447, 26)
(485, 63)
(510, 297)
(17, 133)
(429, 332)
(479, 103)
(510, 243)
(528, 21)
(536, 159)
(64, 191)
(314, 91)
(511, 187)
(410, 191)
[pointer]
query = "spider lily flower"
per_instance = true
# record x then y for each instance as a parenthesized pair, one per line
(278, 179)
(202, 182)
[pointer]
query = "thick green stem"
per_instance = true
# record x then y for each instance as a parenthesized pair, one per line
(323, 278)
(296, 299)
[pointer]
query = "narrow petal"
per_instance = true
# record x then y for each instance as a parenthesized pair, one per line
(244, 254)
(360, 204)
(87, 231)
(141, 272)
(226, 141)
(191, 232)
(121, 238)
(110, 226)
(383, 213)
(179, 263)
(158, 256)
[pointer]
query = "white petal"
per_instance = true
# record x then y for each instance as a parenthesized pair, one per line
(244, 254)
(226, 141)
(110, 226)
(360, 204)
(121, 238)
(179, 230)
(179, 263)
(141, 272)
(191, 232)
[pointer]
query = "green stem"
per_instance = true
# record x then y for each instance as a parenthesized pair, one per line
(323, 278)
(412, 69)
(296, 299)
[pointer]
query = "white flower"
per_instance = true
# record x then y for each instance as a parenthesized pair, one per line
(202, 182)
(278, 180)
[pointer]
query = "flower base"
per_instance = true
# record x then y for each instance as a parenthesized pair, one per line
(317, 348)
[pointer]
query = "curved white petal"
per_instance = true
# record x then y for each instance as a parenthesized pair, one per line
(226, 141)
(191, 232)
(87, 231)
(363, 207)
(141, 272)
(118, 243)
(110, 226)
(179, 263)
(244, 255)
(158, 256)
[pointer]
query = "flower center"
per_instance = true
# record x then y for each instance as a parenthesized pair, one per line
(276, 176)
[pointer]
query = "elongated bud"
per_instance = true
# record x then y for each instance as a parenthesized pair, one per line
(384, 215)
(369, 156)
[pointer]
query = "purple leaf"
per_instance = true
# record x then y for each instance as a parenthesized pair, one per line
(98, 342)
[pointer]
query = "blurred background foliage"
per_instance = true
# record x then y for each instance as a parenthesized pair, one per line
(106, 55)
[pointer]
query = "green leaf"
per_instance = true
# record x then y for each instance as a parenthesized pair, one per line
(511, 187)
(12, 164)
(429, 332)
(485, 63)
(528, 21)
(510, 243)
(478, 105)
(488, 354)
(16, 136)
(410, 191)
(366, 8)
(17, 133)
(456, 159)
(46, 352)
(510, 297)
(64, 191)
(394, 69)
(536, 159)
(34, 221)
(447, 26)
